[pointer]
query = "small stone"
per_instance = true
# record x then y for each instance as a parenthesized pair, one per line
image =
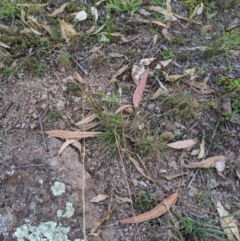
(60, 105)
(150, 106)
(191, 192)
(33, 126)
(35, 116)
(44, 97)
(227, 207)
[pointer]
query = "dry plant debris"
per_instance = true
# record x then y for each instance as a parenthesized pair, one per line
(170, 77)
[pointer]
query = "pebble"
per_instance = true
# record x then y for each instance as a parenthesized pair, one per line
(60, 105)
(227, 207)
(191, 192)
(151, 106)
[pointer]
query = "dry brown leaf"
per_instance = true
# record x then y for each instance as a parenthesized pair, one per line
(209, 162)
(123, 200)
(235, 52)
(172, 176)
(123, 107)
(99, 2)
(67, 30)
(202, 148)
(207, 27)
(165, 12)
(66, 144)
(72, 134)
(227, 106)
(165, 62)
(136, 164)
(86, 120)
(88, 126)
(105, 217)
(228, 224)
(138, 93)
(166, 34)
(47, 28)
(203, 87)
(173, 78)
(95, 49)
(80, 78)
(116, 34)
(4, 45)
(59, 10)
(167, 135)
(158, 9)
(154, 22)
(33, 22)
(194, 12)
(78, 145)
(115, 55)
(182, 144)
(159, 92)
(156, 212)
(99, 198)
(119, 72)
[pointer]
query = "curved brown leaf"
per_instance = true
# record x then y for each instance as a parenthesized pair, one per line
(159, 210)
(209, 162)
(182, 144)
(72, 134)
(138, 93)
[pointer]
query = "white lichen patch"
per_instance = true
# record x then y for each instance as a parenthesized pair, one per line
(48, 231)
(58, 188)
(69, 211)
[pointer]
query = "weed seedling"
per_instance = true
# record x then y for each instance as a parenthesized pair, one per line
(120, 6)
(54, 116)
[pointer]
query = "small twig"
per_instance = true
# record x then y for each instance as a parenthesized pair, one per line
(33, 165)
(79, 65)
(6, 110)
(206, 153)
(44, 139)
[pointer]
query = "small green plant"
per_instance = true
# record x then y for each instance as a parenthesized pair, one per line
(73, 89)
(145, 202)
(201, 230)
(110, 100)
(160, 3)
(167, 54)
(121, 6)
(54, 115)
(200, 197)
(222, 45)
(231, 89)
(9, 9)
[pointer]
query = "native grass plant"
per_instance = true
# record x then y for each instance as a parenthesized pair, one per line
(145, 201)
(184, 107)
(125, 130)
(121, 6)
(223, 45)
(201, 230)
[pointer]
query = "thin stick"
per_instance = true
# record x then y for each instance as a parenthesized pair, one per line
(206, 153)
(6, 110)
(83, 188)
(83, 70)
(44, 138)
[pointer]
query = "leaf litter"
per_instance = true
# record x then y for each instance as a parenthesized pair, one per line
(73, 137)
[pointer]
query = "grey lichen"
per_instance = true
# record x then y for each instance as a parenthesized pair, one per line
(48, 231)
(58, 188)
(69, 211)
